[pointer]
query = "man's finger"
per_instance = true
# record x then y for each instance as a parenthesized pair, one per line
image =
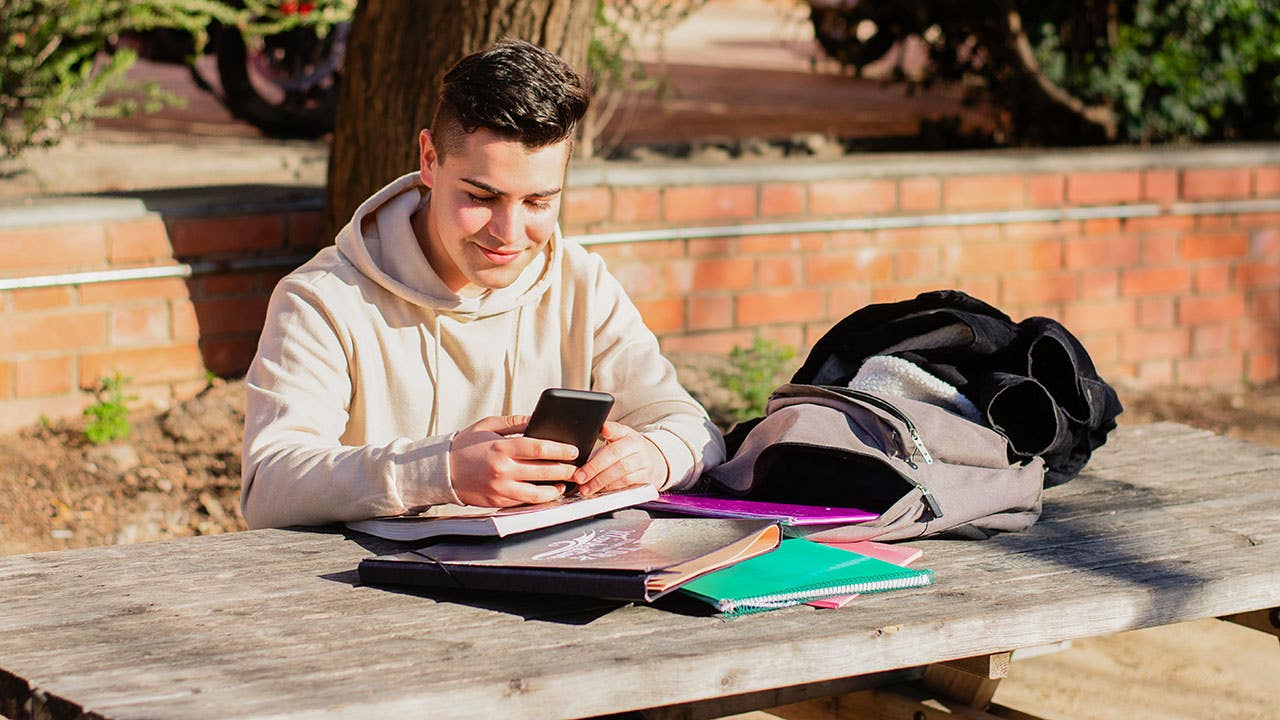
(503, 424)
(527, 448)
(542, 472)
(534, 493)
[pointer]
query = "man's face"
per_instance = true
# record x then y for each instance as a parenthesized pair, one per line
(493, 207)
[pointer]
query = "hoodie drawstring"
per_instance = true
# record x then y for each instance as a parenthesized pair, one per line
(433, 373)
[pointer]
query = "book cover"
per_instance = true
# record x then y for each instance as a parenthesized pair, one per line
(500, 522)
(900, 555)
(785, 513)
(798, 571)
(629, 557)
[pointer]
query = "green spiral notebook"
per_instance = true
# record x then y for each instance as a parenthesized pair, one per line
(798, 571)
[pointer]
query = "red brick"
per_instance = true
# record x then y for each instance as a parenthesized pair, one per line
(782, 199)
(1210, 340)
(851, 240)
(585, 206)
(1216, 223)
(138, 241)
(1215, 308)
(1262, 367)
(1264, 306)
(662, 314)
(987, 289)
(1155, 281)
(778, 271)
(635, 205)
(913, 237)
(109, 293)
(1256, 336)
(859, 266)
(1266, 181)
(764, 308)
(843, 300)
(914, 263)
(1210, 372)
(1044, 254)
(305, 230)
(185, 324)
(228, 356)
(920, 193)
(710, 312)
(1215, 278)
(1090, 316)
(230, 284)
(1218, 245)
(195, 237)
(139, 325)
(1157, 313)
(685, 276)
(1119, 251)
(893, 292)
(853, 197)
(715, 247)
(1039, 288)
(719, 343)
(6, 382)
(44, 376)
(1101, 188)
(638, 278)
(153, 364)
(1104, 350)
(982, 258)
(1045, 190)
(1258, 275)
(1161, 344)
(1159, 223)
(786, 336)
(983, 192)
(44, 332)
(715, 202)
(805, 242)
(1160, 185)
(231, 315)
(1100, 284)
(1027, 231)
(1215, 183)
(1100, 226)
(19, 413)
(1264, 244)
(45, 298)
(1161, 249)
(56, 248)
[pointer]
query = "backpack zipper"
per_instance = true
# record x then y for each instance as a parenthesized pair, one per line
(912, 432)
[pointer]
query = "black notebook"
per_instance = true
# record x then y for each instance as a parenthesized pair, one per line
(630, 557)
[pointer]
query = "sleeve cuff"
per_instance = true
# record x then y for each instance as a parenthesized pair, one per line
(421, 472)
(680, 460)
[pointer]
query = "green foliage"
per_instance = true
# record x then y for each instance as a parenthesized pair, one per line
(752, 375)
(110, 413)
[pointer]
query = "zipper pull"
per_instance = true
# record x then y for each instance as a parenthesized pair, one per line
(924, 452)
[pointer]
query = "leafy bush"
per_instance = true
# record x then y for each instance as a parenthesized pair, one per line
(752, 375)
(110, 413)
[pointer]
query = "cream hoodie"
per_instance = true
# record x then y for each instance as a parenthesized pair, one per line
(368, 364)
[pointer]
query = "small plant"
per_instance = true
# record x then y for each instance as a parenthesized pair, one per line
(752, 375)
(110, 413)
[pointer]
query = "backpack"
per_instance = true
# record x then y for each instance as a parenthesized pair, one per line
(925, 470)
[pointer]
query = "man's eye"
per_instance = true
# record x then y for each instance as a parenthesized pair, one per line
(480, 199)
(540, 204)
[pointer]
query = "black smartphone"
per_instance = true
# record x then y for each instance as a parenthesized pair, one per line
(569, 416)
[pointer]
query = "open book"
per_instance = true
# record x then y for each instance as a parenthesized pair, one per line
(500, 522)
(785, 513)
(627, 557)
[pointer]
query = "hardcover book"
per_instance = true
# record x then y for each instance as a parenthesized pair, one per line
(629, 557)
(785, 513)
(500, 522)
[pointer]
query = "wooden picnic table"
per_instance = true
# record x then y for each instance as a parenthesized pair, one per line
(1167, 524)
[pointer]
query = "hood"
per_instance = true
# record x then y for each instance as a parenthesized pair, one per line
(379, 241)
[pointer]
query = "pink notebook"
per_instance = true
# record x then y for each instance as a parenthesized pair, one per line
(901, 555)
(784, 513)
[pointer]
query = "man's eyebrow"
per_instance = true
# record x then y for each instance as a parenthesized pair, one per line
(500, 193)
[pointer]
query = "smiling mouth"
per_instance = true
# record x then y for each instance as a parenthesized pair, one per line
(498, 257)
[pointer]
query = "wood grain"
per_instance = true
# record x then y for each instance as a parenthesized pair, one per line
(1167, 524)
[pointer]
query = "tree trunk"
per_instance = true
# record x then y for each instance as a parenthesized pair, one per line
(397, 54)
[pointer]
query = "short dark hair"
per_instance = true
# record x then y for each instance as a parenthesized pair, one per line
(513, 88)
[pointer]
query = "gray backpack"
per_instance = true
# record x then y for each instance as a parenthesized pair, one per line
(924, 469)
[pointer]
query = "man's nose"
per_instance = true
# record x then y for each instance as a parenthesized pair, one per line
(505, 220)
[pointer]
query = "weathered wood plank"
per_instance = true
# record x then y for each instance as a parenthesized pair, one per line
(270, 624)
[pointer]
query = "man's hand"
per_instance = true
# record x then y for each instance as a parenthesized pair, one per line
(490, 469)
(627, 458)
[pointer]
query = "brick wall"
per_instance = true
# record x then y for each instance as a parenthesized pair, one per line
(1166, 265)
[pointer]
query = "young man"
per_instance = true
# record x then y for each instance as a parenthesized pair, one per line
(395, 368)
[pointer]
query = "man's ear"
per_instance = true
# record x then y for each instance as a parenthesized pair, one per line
(427, 158)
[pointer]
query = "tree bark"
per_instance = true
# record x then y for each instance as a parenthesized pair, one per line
(397, 54)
